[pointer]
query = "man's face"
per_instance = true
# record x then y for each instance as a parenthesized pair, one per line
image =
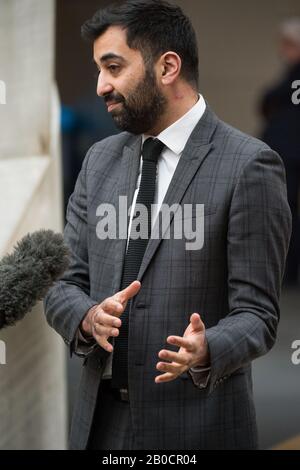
(289, 51)
(129, 89)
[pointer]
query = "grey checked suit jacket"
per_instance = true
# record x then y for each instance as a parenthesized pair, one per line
(234, 282)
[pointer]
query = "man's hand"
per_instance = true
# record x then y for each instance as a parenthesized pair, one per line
(103, 321)
(193, 352)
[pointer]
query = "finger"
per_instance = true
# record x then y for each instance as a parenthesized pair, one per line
(174, 369)
(181, 343)
(101, 330)
(165, 378)
(127, 294)
(197, 322)
(107, 320)
(173, 357)
(112, 306)
(104, 343)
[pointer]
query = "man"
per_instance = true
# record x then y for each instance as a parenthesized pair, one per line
(282, 131)
(156, 375)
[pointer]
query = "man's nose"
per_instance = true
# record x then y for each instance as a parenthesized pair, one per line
(103, 86)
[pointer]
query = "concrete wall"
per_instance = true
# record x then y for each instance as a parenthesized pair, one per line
(238, 54)
(33, 382)
(26, 67)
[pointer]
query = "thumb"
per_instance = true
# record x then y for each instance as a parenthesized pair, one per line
(197, 323)
(126, 294)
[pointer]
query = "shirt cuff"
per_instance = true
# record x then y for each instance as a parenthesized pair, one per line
(82, 339)
(200, 369)
(83, 346)
(200, 376)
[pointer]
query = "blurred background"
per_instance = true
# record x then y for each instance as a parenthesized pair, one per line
(50, 116)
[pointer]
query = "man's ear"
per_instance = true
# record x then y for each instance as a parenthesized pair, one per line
(170, 64)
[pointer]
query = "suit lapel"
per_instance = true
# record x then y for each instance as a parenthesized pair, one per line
(192, 158)
(129, 170)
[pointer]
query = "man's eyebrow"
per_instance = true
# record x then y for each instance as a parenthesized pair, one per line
(110, 56)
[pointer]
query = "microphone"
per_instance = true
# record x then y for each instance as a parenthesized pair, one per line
(37, 261)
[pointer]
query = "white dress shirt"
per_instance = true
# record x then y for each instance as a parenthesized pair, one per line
(175, 138)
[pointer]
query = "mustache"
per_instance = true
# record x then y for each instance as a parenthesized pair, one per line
(114, 98)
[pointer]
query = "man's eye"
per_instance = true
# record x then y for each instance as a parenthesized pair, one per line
(113, 68)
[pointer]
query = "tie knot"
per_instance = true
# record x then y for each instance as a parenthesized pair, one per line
(152, 149)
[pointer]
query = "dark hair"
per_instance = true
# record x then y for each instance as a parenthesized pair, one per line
(153, 27)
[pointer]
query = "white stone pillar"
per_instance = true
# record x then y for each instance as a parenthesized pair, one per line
(33, 411)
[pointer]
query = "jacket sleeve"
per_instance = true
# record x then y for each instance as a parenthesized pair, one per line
(259, 230)
(67, 303)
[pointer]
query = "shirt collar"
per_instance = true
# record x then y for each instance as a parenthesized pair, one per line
(176, 136)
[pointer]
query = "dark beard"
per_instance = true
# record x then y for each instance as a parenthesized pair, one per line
(141, 110)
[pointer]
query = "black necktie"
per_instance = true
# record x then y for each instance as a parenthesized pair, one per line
(151, 151)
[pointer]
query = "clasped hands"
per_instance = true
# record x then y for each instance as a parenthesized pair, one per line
(103, 321)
